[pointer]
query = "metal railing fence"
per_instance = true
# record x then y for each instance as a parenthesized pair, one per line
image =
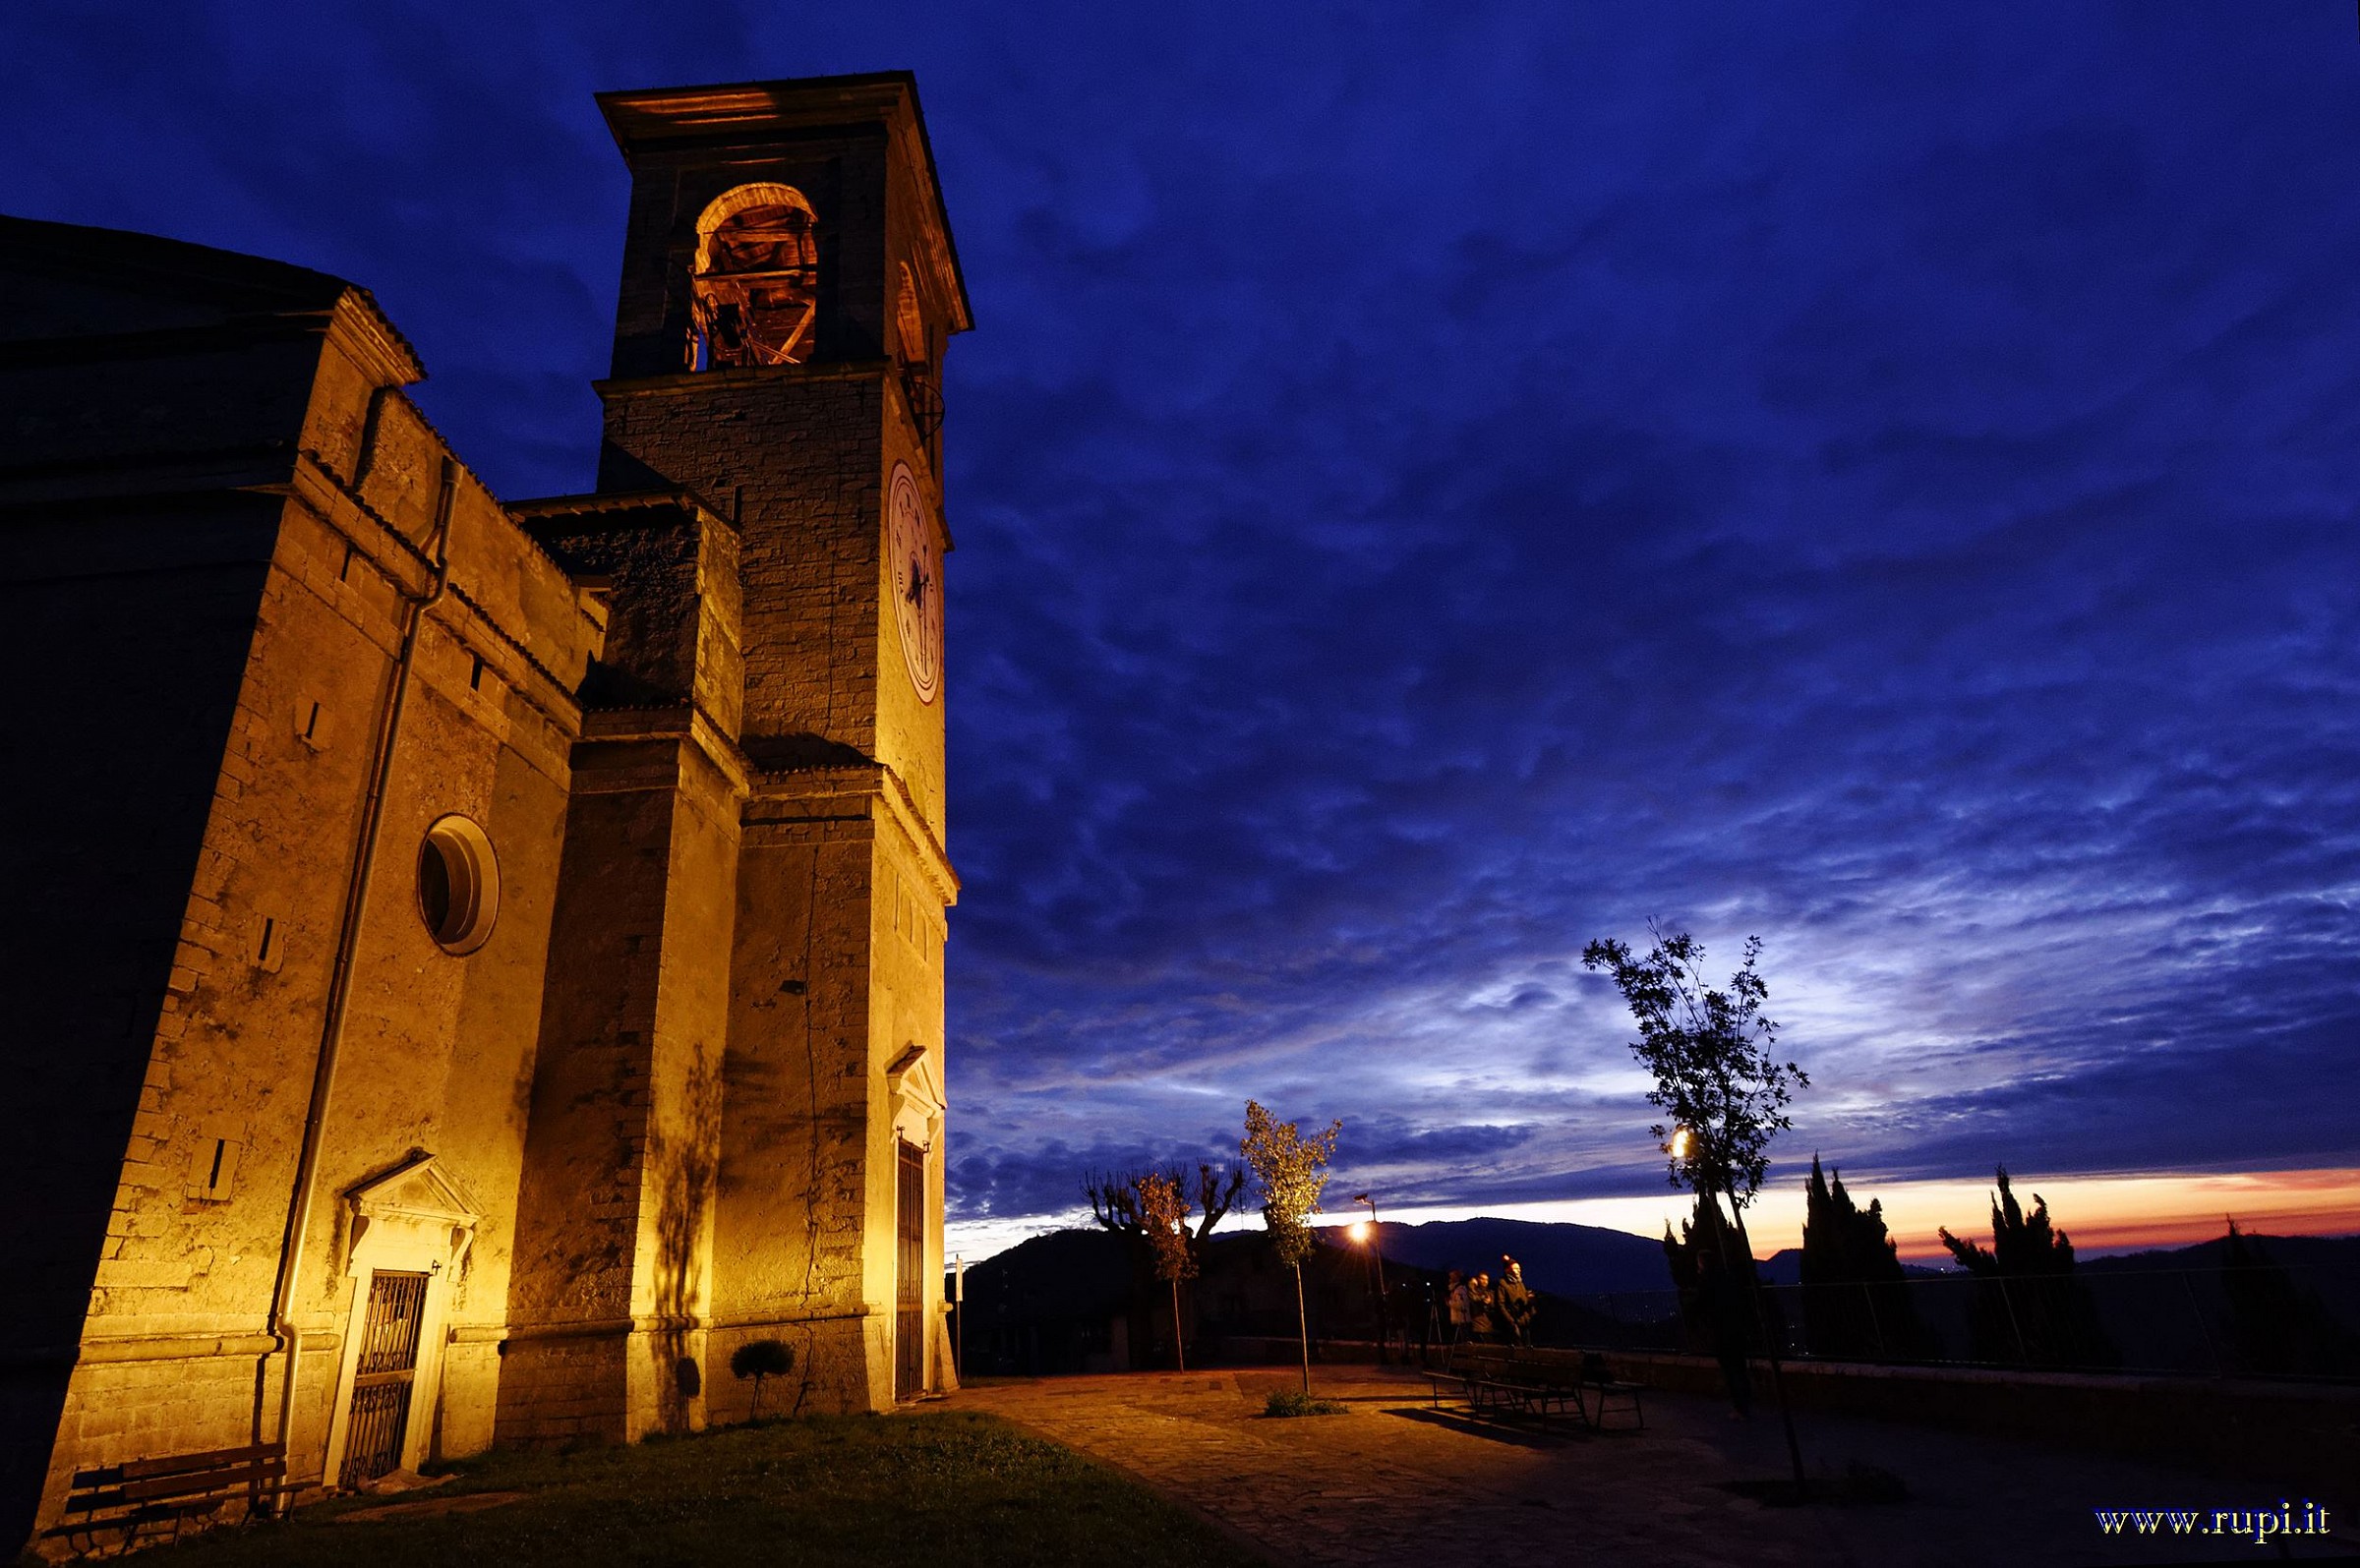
(2269, 1321)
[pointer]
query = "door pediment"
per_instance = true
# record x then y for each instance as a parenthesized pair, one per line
(417, 1215)
(918, 1100)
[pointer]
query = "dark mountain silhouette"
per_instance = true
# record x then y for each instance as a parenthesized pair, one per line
(1785, 1267)
(1071, 1302)
(1563, 1258)
(2331, 1256)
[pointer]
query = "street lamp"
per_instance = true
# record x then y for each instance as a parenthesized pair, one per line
(1367, 1230)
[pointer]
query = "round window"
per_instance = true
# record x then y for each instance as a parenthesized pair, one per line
(458, 885)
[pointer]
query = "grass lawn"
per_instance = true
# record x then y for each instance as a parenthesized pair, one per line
(928, 1487)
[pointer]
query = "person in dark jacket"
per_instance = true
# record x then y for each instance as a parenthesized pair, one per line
(1720, 1304)
(1515, 1303)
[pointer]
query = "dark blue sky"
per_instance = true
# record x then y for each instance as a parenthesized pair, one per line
(1435, 485)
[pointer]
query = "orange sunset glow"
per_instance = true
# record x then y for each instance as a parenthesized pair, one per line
(2117, 1213)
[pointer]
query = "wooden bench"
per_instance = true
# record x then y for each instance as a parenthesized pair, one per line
(1601, 1386)
(1495, 1383)
(141, 1496)
(1502, 1383)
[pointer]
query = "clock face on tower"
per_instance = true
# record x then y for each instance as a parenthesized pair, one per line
(917, 582)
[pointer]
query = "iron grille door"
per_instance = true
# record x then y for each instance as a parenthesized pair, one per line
(910, 1270)
(387, 1370)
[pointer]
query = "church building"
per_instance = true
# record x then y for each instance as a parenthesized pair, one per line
(473, 964)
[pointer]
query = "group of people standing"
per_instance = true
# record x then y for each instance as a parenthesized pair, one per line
(1488, 1311)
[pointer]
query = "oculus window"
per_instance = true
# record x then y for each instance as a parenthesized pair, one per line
(458, 885)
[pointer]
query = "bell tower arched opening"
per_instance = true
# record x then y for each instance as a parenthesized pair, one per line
(754, 287)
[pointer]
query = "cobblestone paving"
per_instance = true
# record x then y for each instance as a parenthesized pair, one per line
(1394, 1481)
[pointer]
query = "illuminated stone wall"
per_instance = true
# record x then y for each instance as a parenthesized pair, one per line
(650, 1110)
(843, 882)
(174, 1315)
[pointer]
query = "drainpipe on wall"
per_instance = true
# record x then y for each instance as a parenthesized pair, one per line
(339, 991)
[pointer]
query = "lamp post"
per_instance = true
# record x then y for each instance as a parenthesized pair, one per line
(1687, 1145)
(1375, 1240)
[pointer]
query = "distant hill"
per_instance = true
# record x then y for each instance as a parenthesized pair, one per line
(2334, 1259)
(1785, 1267)
(1072, 1273)
(1568, 1259)
(2331, 1256)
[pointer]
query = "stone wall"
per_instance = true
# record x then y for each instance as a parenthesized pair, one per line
(843, 881)
(175, 1320)
(654, 1113)
(607, 1307)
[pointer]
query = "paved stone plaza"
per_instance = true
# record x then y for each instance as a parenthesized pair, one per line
(1394, 1482)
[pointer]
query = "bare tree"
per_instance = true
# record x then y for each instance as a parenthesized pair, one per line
(1114, 1195)
(1114, 1203)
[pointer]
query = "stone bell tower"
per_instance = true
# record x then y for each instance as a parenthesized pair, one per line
(760, 782)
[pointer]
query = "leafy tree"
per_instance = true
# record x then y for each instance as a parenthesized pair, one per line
(1723, 1091)
(2029, 1306)
(1856, 1299)
(1163, 1214)
(760, 1359)
(1290, 1171)
(1709, 1051)
(2276, 1326)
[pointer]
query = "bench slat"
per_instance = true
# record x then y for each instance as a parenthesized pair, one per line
(175, 1464)
(229, 1478)
(150, 1513)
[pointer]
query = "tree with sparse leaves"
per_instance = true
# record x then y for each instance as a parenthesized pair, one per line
(1290, 1170)
(1163, 1214)
(1721, 1086)
(1711, 1053)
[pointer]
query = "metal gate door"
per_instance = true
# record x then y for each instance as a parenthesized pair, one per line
(388, 1368)
(909, 1271)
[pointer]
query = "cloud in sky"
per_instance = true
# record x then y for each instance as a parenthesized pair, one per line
(1436, 484)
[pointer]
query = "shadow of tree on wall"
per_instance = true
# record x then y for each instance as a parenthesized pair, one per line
(683, 1165)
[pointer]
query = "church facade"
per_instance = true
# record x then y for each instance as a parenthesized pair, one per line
(477, 965)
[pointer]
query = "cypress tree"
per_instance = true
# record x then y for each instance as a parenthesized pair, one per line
(2029, 1308)
(2275, 1324)
(1856, 1299)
